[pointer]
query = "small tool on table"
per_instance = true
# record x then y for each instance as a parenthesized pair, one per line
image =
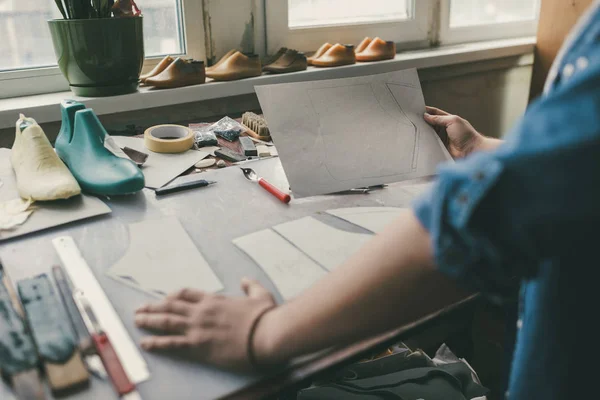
(252, 176)
(121, 382)
(183, 186)
(84, 340)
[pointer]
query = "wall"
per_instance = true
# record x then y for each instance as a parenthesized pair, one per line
(490, 94)
(557, 17)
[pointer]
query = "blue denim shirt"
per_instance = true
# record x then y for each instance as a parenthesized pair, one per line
(528, 213)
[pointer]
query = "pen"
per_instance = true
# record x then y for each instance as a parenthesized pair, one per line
(182, 186)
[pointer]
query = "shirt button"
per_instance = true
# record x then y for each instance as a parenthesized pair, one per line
(582, 63)
(479, 176)
(568, 70)
(463, 199)
(519, 324)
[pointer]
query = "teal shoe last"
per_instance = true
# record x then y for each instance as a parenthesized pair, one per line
(80, 144)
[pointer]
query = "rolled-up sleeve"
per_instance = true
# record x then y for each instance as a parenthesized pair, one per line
(494, 216)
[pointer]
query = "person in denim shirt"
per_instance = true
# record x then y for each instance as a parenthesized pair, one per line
(524, 211)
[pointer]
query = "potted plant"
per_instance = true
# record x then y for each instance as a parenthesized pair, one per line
(99, 45)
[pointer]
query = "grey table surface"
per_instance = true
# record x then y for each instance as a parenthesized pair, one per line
(213, 217)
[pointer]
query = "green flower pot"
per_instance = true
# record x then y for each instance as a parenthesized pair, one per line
(99, 57)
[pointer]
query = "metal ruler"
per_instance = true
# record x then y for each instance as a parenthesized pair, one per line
(84, 280)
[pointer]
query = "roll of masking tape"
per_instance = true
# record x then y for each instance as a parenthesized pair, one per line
(168, 138)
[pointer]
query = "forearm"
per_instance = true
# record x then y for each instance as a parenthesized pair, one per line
(390, 281)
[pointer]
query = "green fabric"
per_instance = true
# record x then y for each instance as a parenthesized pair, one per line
(80, 144)
(447, 382)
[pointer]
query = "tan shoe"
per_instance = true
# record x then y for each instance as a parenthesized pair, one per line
(318, 53)
(225, 57)
(179, 73)
(290, 61)
(336, 56)
(363, 45)
(160, 67)
(377, 50)
(238, 66)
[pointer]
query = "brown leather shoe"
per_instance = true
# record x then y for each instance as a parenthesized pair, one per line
(238, 66)
(225, 57)
(319, 53)
(160, 67)
(274, 57)
(336, 56)
(363, 45)
(377, 50)
(179, 73)
(290, 61)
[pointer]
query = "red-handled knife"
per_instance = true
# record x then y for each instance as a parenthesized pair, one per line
(252, 176)
(105, 350)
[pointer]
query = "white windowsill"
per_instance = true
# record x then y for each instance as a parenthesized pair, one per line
(45, 107)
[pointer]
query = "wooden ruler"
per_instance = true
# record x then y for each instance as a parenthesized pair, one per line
(18, 360)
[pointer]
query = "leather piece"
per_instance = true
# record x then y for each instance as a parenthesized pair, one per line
(377, 50)
(324, 47)
(275, 57)
(290, 61)
(50, 326)
(17, 351)
(336, 56)
(80, 144)
(180, 73)
(160, 67)
(237, 66)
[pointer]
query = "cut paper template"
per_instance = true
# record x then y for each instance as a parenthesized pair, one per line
(46, 214)
(374, 219)
(161, 168)
(290, 270)
(340, 134)
(162, 258)
(327, 245)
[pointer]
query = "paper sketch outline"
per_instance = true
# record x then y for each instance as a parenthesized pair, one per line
(416, 133)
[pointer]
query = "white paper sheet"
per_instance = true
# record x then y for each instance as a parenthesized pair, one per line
(340, 134)
(161, 168)
(161, 258)
(290, 270)
(325, 244)
(374, 219)
(47, 214)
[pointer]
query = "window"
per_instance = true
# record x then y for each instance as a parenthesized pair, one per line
(28, 63)
(484, 12)
(313, 13)
(26, 39)
(472, 20)
(307, 24)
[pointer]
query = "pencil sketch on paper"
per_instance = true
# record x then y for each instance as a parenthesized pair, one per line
(339, 134)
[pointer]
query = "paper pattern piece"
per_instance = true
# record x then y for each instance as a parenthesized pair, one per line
(161, 168)
(47, 214)
(162, 258)
(374, 219)
(340, 134)
(325, 244)
(290, 270)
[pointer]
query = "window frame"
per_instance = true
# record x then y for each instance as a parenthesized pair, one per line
(49, 79)
(488, 31)
(413, 32)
